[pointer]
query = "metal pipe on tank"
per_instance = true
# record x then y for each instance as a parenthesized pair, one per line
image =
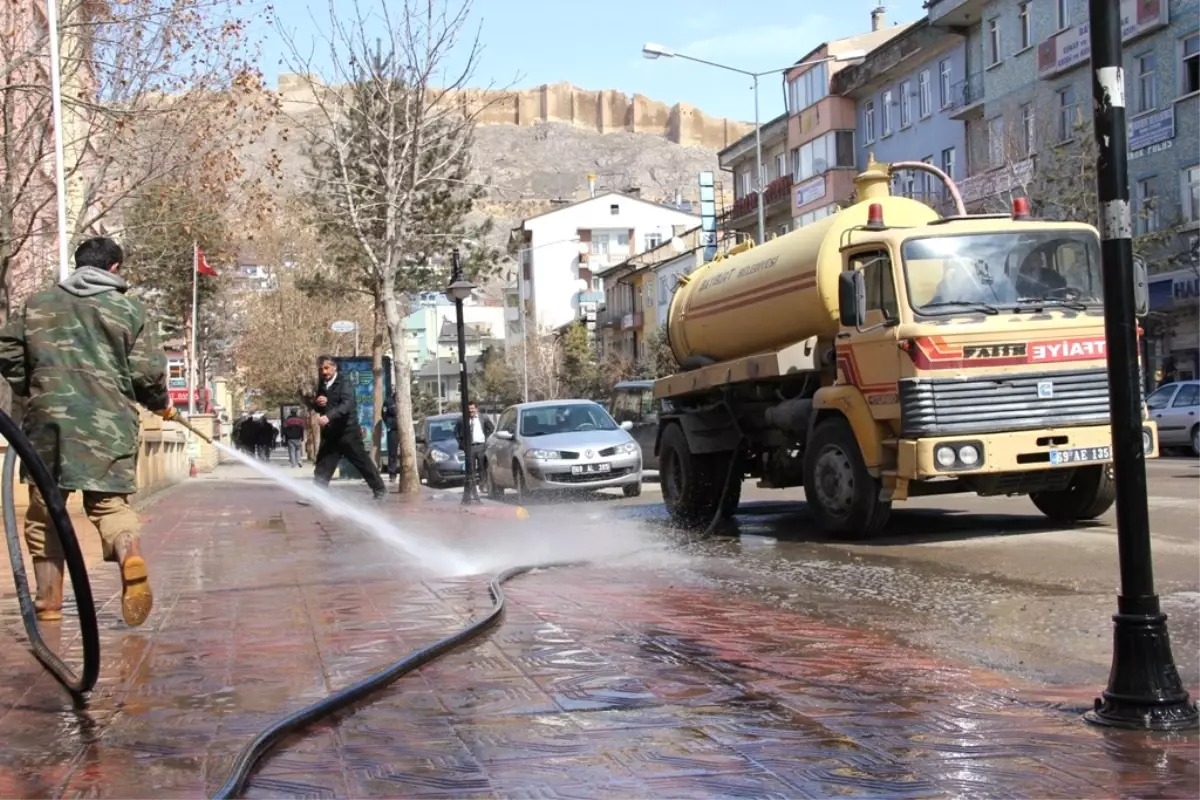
(921, 166)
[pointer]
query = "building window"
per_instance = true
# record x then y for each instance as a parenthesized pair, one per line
(1027, 129)
(929, 183)
(651, 240)
(946, 73)
(1190, 197)
(949, 162)
(1023, 24)
(782, 230)
(597, 283)
(905, 103)
(925, 94)
(807, 88)
(869, 121)
(614, 209)
(993, 29)
(1147, 206)
(623, 240)
(745, 183)
(1067, 113)
(833, 150)
(1147, 86)
(1189, 75)
(1062, 14)
(599, 244)
(781, 165)
(995, 136)
(795, 163)
(885, 113)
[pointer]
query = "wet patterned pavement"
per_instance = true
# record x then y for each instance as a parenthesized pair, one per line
(637, 679)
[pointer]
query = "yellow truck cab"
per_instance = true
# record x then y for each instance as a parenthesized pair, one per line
(884, 353)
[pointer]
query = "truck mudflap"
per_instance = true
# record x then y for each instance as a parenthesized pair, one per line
(712, 430)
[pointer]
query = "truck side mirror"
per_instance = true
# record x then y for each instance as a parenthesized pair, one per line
(1141, 288)
(852, 299)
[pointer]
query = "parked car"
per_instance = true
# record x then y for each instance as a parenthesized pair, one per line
(564, 445)
(634, 402)
(440, 461)
(1176, 409)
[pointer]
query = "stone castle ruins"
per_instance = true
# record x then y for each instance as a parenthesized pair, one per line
(604, 111)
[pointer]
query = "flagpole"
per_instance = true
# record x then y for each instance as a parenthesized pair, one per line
(192, 343)
(60, 179)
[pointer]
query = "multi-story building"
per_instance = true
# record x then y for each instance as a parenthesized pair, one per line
(903, 94)
(738, 159)
(821, 125)
(561, 252)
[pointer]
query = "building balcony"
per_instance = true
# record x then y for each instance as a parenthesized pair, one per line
(609, 317)
(954, 13)
(966, 98)
(777, 195)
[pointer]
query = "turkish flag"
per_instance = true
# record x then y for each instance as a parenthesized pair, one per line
(202, 265)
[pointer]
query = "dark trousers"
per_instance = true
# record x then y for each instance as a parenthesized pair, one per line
(393, 452)
(476, 456)
(347, 445)
(294, 446)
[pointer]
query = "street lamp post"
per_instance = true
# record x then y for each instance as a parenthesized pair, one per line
(1144, 689)
(459, 290)
(653, 51)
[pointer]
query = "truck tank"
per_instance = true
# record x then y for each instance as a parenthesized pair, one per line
(780, 292)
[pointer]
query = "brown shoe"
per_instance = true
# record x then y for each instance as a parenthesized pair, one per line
(136, 598)
(48, 574)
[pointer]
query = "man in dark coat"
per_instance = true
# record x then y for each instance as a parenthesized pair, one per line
(341, 437)
(472, 438)
(293, 434)
(392, 430)
(83, 353)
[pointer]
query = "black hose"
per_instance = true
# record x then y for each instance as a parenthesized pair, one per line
(19, 445)
(340, 700)
(735, 471)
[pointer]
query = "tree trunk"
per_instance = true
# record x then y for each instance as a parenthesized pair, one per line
(410, 483)
(377, 372)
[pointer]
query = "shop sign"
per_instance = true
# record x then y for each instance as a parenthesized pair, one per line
(810, 191)
(1152, 129)
(1073, 46)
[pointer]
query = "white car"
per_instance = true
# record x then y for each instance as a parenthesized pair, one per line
(561, 445)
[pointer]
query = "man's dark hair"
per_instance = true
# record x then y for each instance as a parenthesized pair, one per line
(100, 252)
(325, 360)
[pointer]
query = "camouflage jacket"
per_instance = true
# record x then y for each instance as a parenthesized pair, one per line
(82, 353)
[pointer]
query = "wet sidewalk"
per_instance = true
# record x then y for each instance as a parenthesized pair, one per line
(645, 678)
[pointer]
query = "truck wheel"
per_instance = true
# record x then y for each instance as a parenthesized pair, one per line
(1196, 440)
(1092, 492)
(840, 491)
(692, 485)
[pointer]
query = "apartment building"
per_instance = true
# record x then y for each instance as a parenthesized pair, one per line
(738, 159)
(903, 93)
(821, 125)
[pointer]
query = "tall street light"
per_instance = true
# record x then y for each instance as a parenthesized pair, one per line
(459, 290)
(654, 51)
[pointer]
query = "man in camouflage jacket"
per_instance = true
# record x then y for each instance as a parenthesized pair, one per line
(81, 354)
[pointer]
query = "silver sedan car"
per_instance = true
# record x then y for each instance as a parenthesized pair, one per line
(561, 445)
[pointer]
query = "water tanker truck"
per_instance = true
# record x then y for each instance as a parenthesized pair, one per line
(884, 353)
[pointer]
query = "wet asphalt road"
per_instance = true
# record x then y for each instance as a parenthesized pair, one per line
(986, 580)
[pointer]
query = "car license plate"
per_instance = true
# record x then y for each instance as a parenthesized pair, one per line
(1079, 455)
(590, 469)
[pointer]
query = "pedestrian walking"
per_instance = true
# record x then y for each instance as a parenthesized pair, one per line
(341, 436)
(393, 438)
(82, 353)
(472, 438)
(293, 434)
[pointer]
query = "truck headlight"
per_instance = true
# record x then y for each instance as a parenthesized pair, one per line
(968, 454)
(945, 456)
(543, 455)
(958, 455)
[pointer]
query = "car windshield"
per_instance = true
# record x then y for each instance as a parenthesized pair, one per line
(440, 430)
(565, 418)
(985, 272)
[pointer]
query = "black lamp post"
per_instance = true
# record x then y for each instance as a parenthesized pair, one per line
(459, 290)
(1144, 689)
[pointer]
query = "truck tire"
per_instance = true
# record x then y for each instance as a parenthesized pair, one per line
(842, 494)
(1091, 493)
(692, 485)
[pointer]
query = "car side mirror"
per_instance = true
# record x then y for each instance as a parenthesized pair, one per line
(626, 425)
(505, 435)
(1141, 288)
(852, 299)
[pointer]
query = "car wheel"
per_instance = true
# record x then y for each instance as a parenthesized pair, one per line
(519, 482)
(633, 489)
(1196, 440)
(494, 490)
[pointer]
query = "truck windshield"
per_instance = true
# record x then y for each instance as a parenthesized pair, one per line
(987, 271)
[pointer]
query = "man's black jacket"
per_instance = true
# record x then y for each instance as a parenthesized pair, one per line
(340, 407)
(462, 432)
(389, 414)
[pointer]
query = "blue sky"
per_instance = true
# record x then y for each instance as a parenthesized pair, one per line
(598, 45)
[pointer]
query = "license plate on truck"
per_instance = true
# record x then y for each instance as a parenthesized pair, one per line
(590, 469)
(1080, 455)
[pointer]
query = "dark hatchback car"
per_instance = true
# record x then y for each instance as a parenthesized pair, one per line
(440, 460)
(633, 402)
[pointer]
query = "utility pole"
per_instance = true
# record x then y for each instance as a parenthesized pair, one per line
(1144, 689)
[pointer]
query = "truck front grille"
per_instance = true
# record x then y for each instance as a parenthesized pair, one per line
(941, 406)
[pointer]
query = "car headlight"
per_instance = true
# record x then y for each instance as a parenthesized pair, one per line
(627, 448)
(543, 455)
(439, 455)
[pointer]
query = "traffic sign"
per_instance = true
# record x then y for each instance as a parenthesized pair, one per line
(343, 326)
